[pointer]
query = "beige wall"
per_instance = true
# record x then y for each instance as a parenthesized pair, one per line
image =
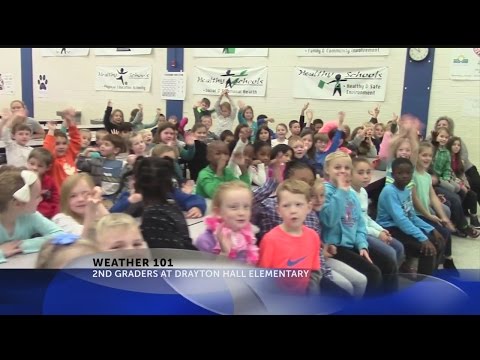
(71, 81)
(10, 63)
(448, 97)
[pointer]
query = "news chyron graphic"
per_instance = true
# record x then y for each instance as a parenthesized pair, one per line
(164, 281)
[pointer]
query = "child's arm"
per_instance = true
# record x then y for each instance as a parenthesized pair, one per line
(217, 103)
(241, 118)
(301, 119)
(182, 124)
(258, 174)
(438, 208)
(49, 142)
(189, 201)
(206, 242)
(42, 226)
(335, 202)
(122, 203)
(106, 117)
(188, 152)
(361, 236)
(37, 130)
(138, 117)
(233, 113)
(75, 139)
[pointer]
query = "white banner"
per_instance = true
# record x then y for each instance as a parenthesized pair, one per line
(340, 84)
(239, 81)
(342, 51)
(65, 51)
(465, 64)
(173, 85)
(229, 52)
(123, 51)
(6, 84)
(123, 78)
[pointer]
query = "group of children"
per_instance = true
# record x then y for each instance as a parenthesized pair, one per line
(278, 201)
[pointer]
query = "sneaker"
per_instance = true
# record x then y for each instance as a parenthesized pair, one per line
(472, 232)
(449, 265)
(474, 221)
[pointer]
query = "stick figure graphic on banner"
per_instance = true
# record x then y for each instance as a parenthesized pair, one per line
(338, 85)
(63, 51)
(121, 73)
(230, 75)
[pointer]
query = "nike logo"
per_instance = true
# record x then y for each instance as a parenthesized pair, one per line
(295, 262)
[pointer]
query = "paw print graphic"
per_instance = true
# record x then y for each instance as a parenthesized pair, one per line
(42, 82)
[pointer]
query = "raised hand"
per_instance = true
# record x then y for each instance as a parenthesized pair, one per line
(188, 186)
(159, 111)
(305, 107)
(140, 107)
(109, 104)
(135, 198)
(189, 139)
(241, 104)
(115, 132)
(51, 125)
(309, 114)
(224, 241)
(343, 182)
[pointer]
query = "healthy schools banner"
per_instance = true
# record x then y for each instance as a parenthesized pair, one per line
(123, 78)
(122, 51)
(229, 52)
(340, 84)
(65, 51)
(465, 64)
(239, 81)
(342, 51)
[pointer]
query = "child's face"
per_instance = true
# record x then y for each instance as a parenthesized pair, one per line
(61, 146)
(225, 111)
(307, 142)
(425, 158)
(161, 119)
(442, 138)
(108, 149)
(22, 137)
(121, 238)
(217, 153)
(338, 167)
(303, 175)
(281, 131)
(207, 122)
(456, 147)
(201, 134)
(263, 155)
(228, 139)
(404, 150)
(77, 201)
(244, 133)
(167, 135)
(402, 175)
(147, 137)
(320, 146)
(295, 129)
(248, 114)
(317, 127)
(204, 105)
(235, 208)
(379, 132)
(86, 138)
(286, 157)
(264, 135)
(138, 145)
(361, 175)
(318, 198)
(298, 149)
(117, 117)
(293, 209)
(37, 166)
(368, 131)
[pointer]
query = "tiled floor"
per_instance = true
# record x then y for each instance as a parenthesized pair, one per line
(466, 252)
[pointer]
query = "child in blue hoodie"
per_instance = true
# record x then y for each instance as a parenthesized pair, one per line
(342, 221)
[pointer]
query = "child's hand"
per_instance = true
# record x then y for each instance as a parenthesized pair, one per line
(222, 163)
(115, 132)
(188, 186)
(428, 249)
(238, 159)
(438, 238)
(385, 237)
(225, 242)
(341, 116)
(448, 224)
(256, 162)
(135, 198)
(159, 111)
(309, 114)
(240, 104)
(435, 219)
(6, 114)
(330, 250)
(343, 182)
(140, 107)
(11, 248)
(305, 107)
(194, 213)
(270, 120)
(131, 159)
(190, 139)
(52, 125)
(278, 166)
(395, 118)
(109, 104)
(364, 253)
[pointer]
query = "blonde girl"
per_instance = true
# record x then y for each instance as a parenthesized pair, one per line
(119, 232)
(281, 132)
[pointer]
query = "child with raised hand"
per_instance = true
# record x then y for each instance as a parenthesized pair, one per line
(163, 223)
(343, 224)
(112, 119)
(40, 161)
(246, 117)
(217, 171)
(80, 205)
(396, 214)
(20, 194)
(16, 149)
(201, 108)
(281, 132)
(136, 118)
(118, 232)
(292, 244)
(64, 152)
(63, 249)
(301, 120)
(377, 237)
(18, 107)
(226, 112)
(229, 231)
(199, 161)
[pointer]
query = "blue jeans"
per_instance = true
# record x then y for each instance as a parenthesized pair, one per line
(394, 250)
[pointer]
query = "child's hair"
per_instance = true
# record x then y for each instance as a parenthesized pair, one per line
(435, 134)
(101, 133)
(42, 155)
(334, 156)
(59, 133)
(397, 141)
(133, 113)
(112, 221)
(153, 178)
(18, 101)
(224, 134)
(115, 111)
(425, 145)
(285, 126)
(368, 125)
(206, 101)
(259, 145)
(224, 188)
(66, 190)
(320, 137)
(161, 128)
(129, 142)
(54, 255)
(87, 132)
(317, 121)
(197, 126)
(117, 141)
(264, 127)
(125, 127)
(294, 187)
(293, 139)
(144, 132)
(236, 134)
(21, 127)
(359, 160)
(10, 181)
(458, 156)
(401, 161)
(161, 149)
(319, 184)
(380, 125)
(295, 165)
(280, 148)
(226, 105)
(292, 122)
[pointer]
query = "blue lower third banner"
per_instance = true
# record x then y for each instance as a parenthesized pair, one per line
(179, 284)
